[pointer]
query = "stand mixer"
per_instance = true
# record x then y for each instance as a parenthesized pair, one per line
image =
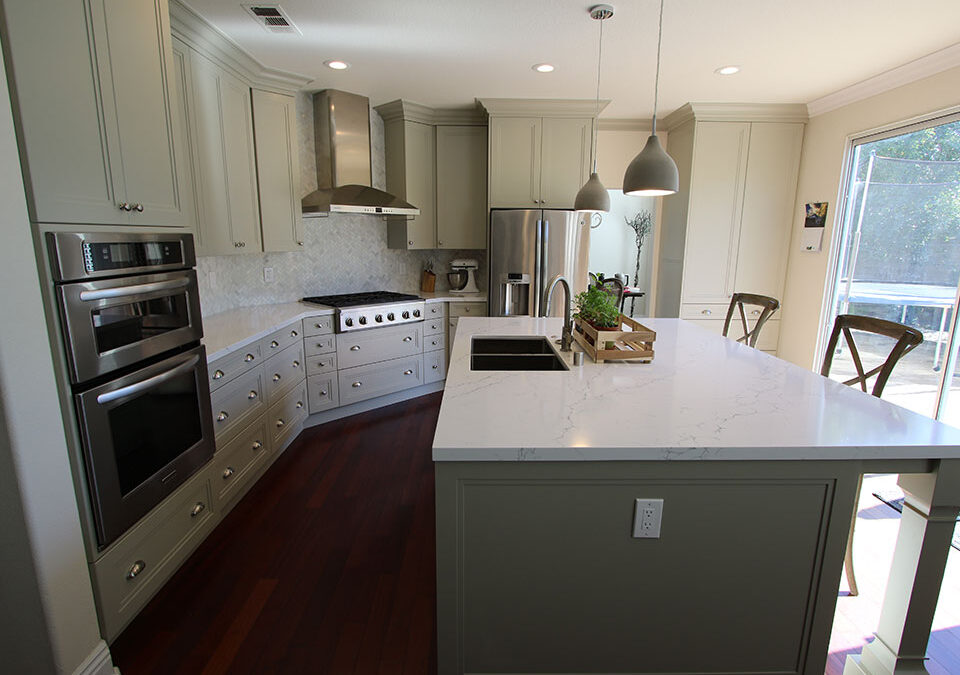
(463, 276)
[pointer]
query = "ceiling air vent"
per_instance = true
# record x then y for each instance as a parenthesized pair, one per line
(272, 17)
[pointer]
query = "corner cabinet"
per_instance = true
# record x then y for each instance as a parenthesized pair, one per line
(410, 149)
(96, 117)
(278, 170)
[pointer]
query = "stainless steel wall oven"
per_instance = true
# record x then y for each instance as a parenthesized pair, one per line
(130, 314)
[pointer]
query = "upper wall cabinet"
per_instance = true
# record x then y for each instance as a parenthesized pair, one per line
(278, 170)
(96, 118)
(461, 187)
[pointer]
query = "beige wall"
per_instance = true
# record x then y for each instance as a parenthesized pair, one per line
(821, 166)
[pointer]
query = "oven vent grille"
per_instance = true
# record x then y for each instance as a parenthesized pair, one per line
(272, 17)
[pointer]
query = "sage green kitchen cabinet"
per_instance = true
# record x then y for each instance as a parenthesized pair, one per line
(95, 113)
(462, 187)
(278, 170)
(538, 162)
(411, 156)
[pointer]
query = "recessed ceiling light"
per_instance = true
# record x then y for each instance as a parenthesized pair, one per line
(727, 70)
(543, 67)
(337, 65)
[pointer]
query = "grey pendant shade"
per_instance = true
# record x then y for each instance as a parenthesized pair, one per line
(593, 196)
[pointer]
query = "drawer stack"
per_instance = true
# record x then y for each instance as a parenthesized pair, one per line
(457, 310)
(711, 316)
(435, 343)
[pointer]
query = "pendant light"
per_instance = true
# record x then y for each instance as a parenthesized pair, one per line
(593, 196)
(652, 173)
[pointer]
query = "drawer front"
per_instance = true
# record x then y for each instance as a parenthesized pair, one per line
(318, 325)
(468, 309)
(284, 370)
(323, 363)
(434, 342)
(281, 339)
(237, 463)
(435, 310)
(237, 402)
(320, 344)
(322, 392)
(139, 563)
(285, 413)
(703, 311)
(379, 344)
(378, 379)
(769, 334)
(228, 367)
(434, 366)
(433, 326)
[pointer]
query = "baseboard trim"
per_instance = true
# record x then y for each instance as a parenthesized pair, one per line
(372, 404)
(98, 662)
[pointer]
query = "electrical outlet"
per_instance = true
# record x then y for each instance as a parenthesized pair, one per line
(268, 275)
(647, 516)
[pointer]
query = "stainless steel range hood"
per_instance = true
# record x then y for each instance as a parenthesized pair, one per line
(341, 125)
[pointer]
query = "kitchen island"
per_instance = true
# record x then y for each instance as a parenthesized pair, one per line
(757, 463)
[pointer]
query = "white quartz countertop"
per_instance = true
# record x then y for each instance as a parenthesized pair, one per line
(703, 397)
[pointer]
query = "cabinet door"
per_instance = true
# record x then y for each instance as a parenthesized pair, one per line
(133, 50)
(461, 187)
(716, 205)
(768, 200)
(565, 161)
(278, 170)
(420, 159)
(515, 161)
(224, 160)
(181, 84)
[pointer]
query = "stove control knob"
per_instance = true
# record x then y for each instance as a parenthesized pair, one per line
(348, 322)
(406, 315)
(362, 320)
(379, 318)
(416, 313)
(390, 316)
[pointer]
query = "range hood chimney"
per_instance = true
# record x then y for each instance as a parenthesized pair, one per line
(341, 127)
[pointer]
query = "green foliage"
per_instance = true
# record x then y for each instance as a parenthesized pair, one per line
(597, 307)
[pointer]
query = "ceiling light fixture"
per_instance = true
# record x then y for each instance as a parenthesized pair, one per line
(593, 196)
(652, 173)
(543, 67)
(336, 65)
(727, 70)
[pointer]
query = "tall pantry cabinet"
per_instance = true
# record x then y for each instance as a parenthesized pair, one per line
(727, 230)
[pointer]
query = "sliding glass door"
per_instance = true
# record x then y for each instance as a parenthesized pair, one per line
(900, 259)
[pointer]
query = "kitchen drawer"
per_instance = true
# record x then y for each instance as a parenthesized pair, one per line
(703, 311)
(378, 379)
(138, 564)
(320, 344)
(282, 371)
(318, 325)
(468, 309)
(434, 310)
(280, 339)
(228, 367)
(379, 344)
(237, 463)
(434, 366)
(285, 414)
(237, 402)
(433, 326)
(322, 363)
(434, 342)
(769, 334)
(322, 392)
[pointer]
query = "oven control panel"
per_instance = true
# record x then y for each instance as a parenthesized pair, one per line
(373, 316)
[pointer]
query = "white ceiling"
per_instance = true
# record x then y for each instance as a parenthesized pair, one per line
(448, 52)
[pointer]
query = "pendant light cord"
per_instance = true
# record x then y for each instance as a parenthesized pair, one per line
(596, 114)
(656, 84)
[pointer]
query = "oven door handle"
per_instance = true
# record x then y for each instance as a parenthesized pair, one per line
(138, 289)
(149, 383)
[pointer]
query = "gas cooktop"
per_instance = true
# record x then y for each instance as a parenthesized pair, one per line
(360, 299)
(357, 311)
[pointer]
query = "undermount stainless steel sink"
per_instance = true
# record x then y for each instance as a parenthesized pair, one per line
(514, 353)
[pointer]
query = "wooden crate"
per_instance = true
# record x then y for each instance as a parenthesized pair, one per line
(632, 340)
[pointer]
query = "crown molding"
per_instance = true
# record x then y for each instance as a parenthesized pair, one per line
(542, 107)
(736, 112)
(925, 66)
(199, 34)
(615, 124)
(417, 112)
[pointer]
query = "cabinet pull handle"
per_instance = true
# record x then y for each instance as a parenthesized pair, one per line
(299, 243)
(217, 374)
(319, 325)
(407, 339)
(755, 312)
(408, 372)
(249, 357)
(222, 416)
(274, 344)
(197, 509)
(294, 333)
(124, 206)
(356, 385)
(138, 208)
(252, 395)
(257, 445)
(299, 404)
(280, 423)
(355, 348)
(706, 311)
(228, 472)
(296, 364)
(276, 377)
(136, 569)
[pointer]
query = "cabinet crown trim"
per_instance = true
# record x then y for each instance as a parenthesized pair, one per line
(736, 112)
(417, 112)
(542, 107)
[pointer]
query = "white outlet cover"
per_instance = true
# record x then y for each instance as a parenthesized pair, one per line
(268, 275)
(647, 517)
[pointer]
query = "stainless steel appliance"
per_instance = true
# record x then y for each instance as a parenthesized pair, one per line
(359, 311)
(528, 248)
(131, 322)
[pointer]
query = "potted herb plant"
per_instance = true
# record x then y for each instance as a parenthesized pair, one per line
(598, 308)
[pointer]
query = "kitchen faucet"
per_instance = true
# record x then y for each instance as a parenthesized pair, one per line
(566, 337)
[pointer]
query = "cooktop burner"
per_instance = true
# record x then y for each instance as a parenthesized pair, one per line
(360, 299)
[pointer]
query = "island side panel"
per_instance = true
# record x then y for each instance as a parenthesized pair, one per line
(537, 570)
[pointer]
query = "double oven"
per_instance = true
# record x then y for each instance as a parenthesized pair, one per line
(130, 315)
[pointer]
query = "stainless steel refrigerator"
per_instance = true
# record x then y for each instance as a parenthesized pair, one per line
(528, 248)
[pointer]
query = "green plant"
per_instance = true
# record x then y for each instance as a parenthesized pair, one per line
(598, 308)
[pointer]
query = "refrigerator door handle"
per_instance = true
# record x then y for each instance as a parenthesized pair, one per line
(538, 269)
(543, 279)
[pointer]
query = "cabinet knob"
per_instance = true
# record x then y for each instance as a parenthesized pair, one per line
(217, 374)
(257, 445)
(252, 395)
(124, 206)
(296, 364)
(706, 311)
(274, 344)
(407, 339)
(197, 509)
(249, 357)
(276, 377)
(408, 372)
(299, 404)
(228, 472)
(242, 244)
(222, 416)
(323, 392)
(136, 569)
(280, 423)
(439, 243)
(294, 333)
(435, 366)
(138, 208)
(299, 243)
(356, 385)
(755, 312)
(319, 325)
(355, 348)
(410, 243)
(434, 343)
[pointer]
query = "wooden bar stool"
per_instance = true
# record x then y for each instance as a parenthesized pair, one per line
(907, 339)
(768, 306)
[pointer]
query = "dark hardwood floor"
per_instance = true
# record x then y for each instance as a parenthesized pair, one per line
(326, 566)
